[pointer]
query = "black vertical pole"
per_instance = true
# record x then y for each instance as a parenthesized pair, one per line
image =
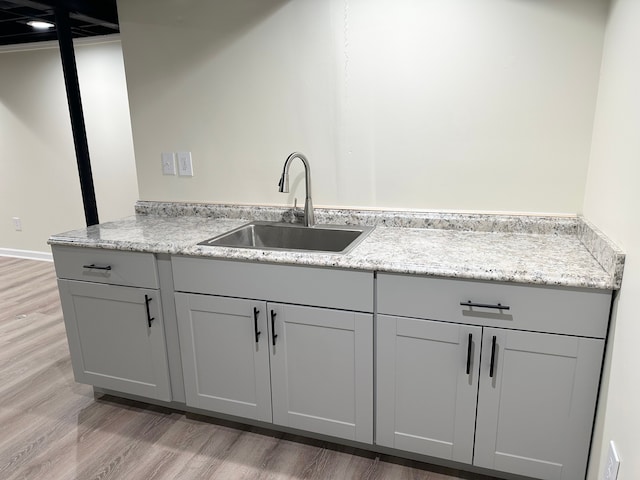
(65, 40)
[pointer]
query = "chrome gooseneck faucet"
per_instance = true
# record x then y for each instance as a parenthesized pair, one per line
(309, 219)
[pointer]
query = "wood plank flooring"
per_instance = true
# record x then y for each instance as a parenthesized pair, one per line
(52, 428)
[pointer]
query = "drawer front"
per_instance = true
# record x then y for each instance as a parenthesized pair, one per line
(570, 311)
(106, 266)
(321, 287)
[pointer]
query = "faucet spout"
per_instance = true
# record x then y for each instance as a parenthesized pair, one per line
(283, 186)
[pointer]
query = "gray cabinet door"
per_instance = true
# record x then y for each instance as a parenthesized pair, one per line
(226, 368)
(535, 413)
(322, 371)
(111, 342)
(426, 397)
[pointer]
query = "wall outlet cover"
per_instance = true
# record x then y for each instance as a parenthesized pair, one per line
(17, 223)
(168, 163)
(185, 166)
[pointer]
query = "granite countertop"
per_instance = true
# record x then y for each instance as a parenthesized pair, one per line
(563, 251)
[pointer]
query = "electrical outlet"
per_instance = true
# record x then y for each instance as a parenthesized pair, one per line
(17, 224)
(612, 463)
(168, 163)
(185, 166)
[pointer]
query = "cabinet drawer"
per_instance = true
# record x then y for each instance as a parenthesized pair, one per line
(570, 311)
(118, 268)
(321, 287)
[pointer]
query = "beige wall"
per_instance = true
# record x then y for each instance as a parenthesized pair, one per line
(39, 181)
(612, 202)
(439, 104)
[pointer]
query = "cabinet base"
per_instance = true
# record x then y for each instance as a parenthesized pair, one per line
(365, 449)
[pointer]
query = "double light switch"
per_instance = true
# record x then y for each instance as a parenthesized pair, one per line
(185, 165)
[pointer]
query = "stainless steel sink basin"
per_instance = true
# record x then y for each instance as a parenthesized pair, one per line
(287, 236)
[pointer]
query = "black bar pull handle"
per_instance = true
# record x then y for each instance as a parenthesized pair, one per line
(150, 319)
(493, 356)
(257, 332)
(469, 353)
(273, 327)
(93, 266)
(498, 306)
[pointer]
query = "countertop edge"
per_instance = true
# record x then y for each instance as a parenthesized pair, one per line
(263, 256)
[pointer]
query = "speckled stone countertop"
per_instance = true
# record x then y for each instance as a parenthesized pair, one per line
(545, 250)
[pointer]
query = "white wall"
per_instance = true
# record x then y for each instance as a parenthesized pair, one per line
(612, 202)
(436, 104)
(39, 181)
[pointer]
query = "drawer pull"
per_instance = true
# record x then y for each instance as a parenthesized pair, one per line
(93, 266)
(499, 306)
(493, 356)
(469, 353)
(150, 319)
(273, 327)
(257, 332)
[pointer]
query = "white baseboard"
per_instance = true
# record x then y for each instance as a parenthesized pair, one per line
(28, 254)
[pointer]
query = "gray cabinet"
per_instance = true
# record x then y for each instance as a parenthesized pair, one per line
(322, 371)
(536, 392)
(496, 375)
(535, 413)
(113, 316)
(225, 355)
(309, 368)
(427, 386)
(112, 343)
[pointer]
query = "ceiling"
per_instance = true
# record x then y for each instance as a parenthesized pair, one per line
(87, 18)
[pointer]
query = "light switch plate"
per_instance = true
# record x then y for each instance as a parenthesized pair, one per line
(612, 464)
(168, 163)
(185, 166)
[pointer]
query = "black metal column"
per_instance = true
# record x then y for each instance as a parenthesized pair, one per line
(65, 40)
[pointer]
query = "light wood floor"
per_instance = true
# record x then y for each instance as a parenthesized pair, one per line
(53, 428)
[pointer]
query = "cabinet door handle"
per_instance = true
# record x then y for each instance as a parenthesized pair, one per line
(498, 306)
(493, 356)
(93, 266)
(273, 327)
(150, 319)
(469, 353)
(257, 332)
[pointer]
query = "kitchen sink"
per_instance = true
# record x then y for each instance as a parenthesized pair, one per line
(288, 236)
